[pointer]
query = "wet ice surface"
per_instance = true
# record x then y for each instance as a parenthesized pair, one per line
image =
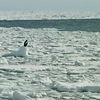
(61, 65)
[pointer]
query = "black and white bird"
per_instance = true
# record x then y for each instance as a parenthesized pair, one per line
(21, 52)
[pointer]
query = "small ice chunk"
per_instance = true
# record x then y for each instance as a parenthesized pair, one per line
(19, 96)
(79, 63)
(6, 95)
(79, 49)
(3, 60)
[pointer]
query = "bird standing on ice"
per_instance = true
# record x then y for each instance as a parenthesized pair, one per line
(22, 52)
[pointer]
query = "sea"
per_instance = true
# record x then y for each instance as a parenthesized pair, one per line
(63, 61)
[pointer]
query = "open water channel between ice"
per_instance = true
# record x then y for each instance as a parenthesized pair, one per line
(63, 61)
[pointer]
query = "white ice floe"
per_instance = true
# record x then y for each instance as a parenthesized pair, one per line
(79, 87)
(3, 60)
(22, 52)
(79, 63)
(45, 81)
(6, 95)
(79, 49)
(19, 96)
(25, 67)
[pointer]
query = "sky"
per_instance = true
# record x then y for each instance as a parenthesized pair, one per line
(50, 5)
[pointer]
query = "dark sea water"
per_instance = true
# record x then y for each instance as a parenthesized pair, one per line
(89, 25)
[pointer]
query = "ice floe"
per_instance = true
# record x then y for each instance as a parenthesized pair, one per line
(76, 87)
(21, 52)
(3, 60)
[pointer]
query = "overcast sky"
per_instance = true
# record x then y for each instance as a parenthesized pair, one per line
(50, 5)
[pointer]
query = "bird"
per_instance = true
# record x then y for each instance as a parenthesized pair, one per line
(21, 52)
